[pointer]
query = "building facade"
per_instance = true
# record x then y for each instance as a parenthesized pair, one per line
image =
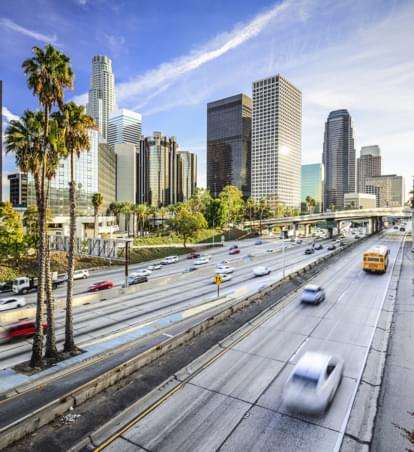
(368, 164)
(157, 170)
(107, 174)
(101, 101)
(18, 189)
(338, 159)
(276, 142)
(229, 123)
(126, 172)
(360, 201)
(186, 175)
(1, 141)
(124, 126)
(389, 189)
(312, 185)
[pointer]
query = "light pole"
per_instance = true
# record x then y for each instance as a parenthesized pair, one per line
(283, 255)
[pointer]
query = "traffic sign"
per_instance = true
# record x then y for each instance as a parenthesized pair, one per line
(218, 279)
(327, 225)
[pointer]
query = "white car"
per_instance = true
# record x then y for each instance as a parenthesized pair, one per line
(224, 277)
(224, 269)
(12, 303)
(81, 274)
(154, 267)
(313, 382)
(202, 260)
(142, 272)
(169, 260)
(261, 271)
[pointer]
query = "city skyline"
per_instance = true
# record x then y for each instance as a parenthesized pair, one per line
(169, 86)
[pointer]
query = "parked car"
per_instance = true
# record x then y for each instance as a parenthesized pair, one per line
(309, 251)
(22, 329)
(153, 267)
(234, 251)
(142, 272)
(261, 270)
(224, 269)
(12, 303)
(193, 256)
(319, 246)
(6, 286)
(313, 383)
(258, 242)
(224, 277)
(190, 269)
(132, 280)
(331, 247)
(101, 285)
(312, 293)
(202, 260)
(81, 274)
(169, 260)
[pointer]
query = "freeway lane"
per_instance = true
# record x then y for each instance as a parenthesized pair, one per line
(110, 316)
(235, 404)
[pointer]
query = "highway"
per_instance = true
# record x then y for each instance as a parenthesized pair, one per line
(235, 403)
(102, 319)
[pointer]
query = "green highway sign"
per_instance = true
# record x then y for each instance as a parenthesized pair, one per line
(327, 225)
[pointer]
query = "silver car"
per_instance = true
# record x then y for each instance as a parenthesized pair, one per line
(313, 383)
(313, 294)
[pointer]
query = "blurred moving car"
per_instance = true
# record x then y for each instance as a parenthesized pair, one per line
(258, 242)
(309, 251)
(190, 269)
(312, 293)
(234, 250)
(132, 280)
(233, 247)
(154, 267)
(224, 277)
(193, 256)
(319, 246)
(261, 271)
(12, 303)
(22, 329)
(81, 274)
(331, 247)
(101, 285)
(202, 260)
(142, 272)
(313, 383)
(299, 242)
(169, 260)
(224, 269)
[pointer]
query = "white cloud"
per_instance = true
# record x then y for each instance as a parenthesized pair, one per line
(5, 22)
(8, 114)
(116, 43)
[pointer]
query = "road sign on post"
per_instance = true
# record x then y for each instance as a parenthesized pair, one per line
(218, 280)
(327, 225)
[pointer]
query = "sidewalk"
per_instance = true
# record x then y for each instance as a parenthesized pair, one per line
(397, 393)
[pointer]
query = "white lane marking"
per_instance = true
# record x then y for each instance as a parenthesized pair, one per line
(343, 294)
(298, 350)
(168, 335)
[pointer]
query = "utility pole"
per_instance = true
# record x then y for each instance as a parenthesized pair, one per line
(126, 262)
(283, 258)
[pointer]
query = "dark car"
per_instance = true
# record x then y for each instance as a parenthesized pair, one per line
(309, 251)
(101, 285)
(193, 256)
(23, 329)
(341, 243)
(319, 246)
(233, 247)
(331, 247)
(402, 229)
(190, 269)
(132, 280)
(6, 286)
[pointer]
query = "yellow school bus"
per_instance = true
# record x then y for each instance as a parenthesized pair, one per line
(376, 259)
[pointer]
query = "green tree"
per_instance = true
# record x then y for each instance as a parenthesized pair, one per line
(127, 210)
(199, 200)
(163, 212)
(142, 212)
(115, 209)
(76, 125)
(216, 213)
(250, 208)
(263, 211)
(233, 197)
(97, 201)
(186, 223)
(310, 203)
(153, 211)
(12, 243)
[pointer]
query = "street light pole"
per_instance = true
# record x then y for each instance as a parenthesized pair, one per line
(283, 254)
(126, 262)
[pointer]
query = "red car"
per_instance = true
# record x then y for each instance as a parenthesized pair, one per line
(234, 251)
(193, 256)
(17, 330)
(101, 285)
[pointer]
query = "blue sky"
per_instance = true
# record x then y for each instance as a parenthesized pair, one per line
(171, 58)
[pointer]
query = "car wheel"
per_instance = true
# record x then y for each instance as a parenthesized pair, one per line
(84, 276)
(24, 291)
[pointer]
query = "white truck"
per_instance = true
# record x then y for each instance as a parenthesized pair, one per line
(24, 284)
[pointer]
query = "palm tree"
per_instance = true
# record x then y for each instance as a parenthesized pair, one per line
(127, 210)
(153, 211)
(97, 201)
(115, 209)
(142, 213)
(163, 212)
(76, 125)
(48, 73)
(250, 206)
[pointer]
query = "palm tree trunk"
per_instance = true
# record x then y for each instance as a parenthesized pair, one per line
(95, 227)
(36, 359)
(69, 340)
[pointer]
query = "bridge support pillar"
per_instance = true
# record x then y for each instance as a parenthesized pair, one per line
(294, 227)
(330, 233)
(338, 227)
(306, 228)
(369, 226)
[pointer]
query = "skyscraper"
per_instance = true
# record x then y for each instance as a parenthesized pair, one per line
(276, 141)
(312, 185)
(125, 126)
(186, 175)
(106, 173)
(338, 158)
(18, 189)
(157, 170)
(101, 93)
(126, 172)
(1, 141)
(368, 164)
(229, 143)
(389, 189)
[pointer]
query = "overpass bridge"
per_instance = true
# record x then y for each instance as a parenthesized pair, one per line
(374, 218)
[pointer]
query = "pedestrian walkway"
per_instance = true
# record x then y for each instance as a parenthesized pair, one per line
(397, 393)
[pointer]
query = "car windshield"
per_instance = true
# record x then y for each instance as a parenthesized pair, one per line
(308, 381)
(310, 291)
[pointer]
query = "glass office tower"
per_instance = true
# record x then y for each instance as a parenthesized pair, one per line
(312, 185)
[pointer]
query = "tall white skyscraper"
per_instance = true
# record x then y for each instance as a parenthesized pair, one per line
(101, 100)
(276, 141)
(125, 126)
